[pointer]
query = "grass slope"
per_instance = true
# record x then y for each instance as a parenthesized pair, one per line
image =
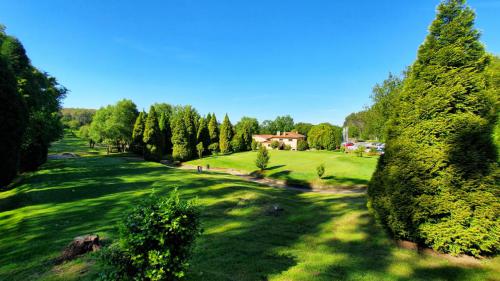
(316, 237)
(299, 167)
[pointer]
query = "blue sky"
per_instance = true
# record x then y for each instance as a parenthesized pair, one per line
(314, 60)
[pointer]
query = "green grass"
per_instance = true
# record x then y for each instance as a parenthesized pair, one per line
(299, 167)
(316, 237)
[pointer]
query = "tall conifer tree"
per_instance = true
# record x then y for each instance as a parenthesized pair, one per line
(203, 136)
(213, 129)
(152, 137)
(434, 184)
(226, 135)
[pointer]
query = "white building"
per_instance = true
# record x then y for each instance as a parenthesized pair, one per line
(285, 138)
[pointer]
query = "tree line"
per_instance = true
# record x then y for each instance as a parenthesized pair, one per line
(30, 101)
(437, 183)
(180, 131)
(74, 118)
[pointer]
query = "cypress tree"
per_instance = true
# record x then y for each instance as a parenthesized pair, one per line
(166, 132)
(203, 135)
(180, 150)
(138, 133)
(435, 183)
(12, 124)
(152, 137)
(226, 134)
(213, 129)
(190, 117)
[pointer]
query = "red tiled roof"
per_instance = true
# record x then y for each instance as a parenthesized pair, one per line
(284, 135)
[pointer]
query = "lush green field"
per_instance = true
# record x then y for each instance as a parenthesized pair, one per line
(299, 167)
(316, 237)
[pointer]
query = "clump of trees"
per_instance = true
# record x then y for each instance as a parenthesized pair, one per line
(436, 183)
(182, 132)
(75, 118)
(324, 136)
(372, 122)
(113, 125)
(281, 123)
(30, 101)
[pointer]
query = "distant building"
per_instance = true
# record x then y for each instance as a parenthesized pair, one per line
(285, 138)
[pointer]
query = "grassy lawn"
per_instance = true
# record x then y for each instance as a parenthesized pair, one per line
(299, 167)
(316, 237)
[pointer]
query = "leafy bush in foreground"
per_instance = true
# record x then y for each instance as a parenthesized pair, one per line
(156, 240)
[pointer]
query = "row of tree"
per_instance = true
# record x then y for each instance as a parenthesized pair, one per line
(182, 132)
(437, 183)
(29, 110)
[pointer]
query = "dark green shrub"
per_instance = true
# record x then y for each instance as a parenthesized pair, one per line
(302, 145)
(320, 170)
(156, 240)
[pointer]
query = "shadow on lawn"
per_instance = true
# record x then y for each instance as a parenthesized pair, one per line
(346, 180)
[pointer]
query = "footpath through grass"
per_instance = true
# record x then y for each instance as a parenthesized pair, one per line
(315, 237)
(299, 167)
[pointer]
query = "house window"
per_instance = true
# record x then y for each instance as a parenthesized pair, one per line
(290, 140)
(281, 139)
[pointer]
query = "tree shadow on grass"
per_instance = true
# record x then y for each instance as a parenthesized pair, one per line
(274, 167)
(346, 180)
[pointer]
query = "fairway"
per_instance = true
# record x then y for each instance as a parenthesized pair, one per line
(315, 237)
(299, 167)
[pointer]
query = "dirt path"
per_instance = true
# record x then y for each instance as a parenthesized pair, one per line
(281, 183)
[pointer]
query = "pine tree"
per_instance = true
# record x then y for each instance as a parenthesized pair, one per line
(434, 184)
(203, 135)
(166, 132)
(213, 129)
(226, 135)
(152, 137)
(138, 133)
(180, 149)
(190, 119)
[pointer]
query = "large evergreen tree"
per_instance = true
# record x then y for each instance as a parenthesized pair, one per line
(191, 117)
(138, 133)
(152, 137)
(166, 132)
(203, 135)
(434, 185)
(226, 135)
(180, 150)
(213, 129)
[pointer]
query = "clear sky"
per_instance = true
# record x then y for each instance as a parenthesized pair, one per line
(315, 60)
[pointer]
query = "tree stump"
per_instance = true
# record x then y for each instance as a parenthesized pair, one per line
(79, 246)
